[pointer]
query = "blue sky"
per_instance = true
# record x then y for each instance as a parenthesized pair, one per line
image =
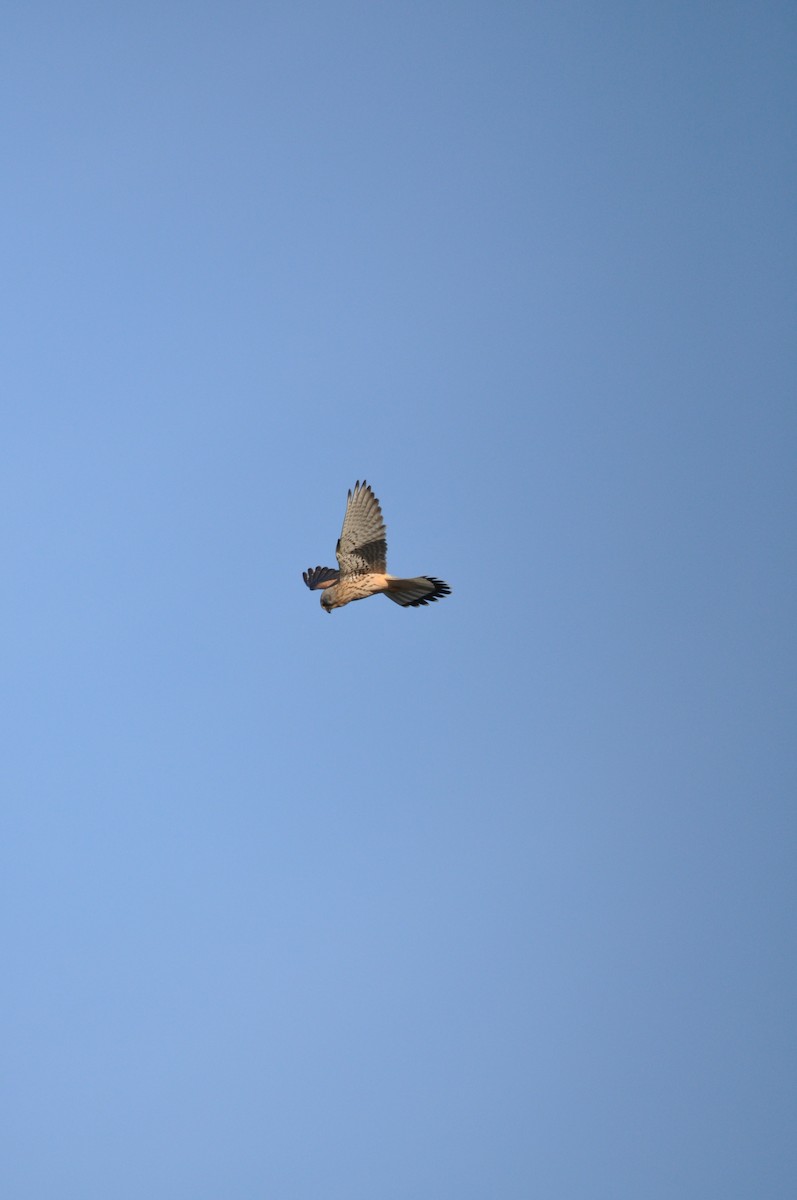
(491, 898)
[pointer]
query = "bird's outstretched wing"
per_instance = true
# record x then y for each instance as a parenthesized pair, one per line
(320, 577)
(362, 545)
(412, 593)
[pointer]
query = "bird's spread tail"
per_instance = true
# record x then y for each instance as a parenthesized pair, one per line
(411, 593)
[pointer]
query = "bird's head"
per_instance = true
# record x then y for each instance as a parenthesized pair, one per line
(327, 602)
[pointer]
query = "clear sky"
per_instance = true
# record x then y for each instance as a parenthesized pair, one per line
(494, 898)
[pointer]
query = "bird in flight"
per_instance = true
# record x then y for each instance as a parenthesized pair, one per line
(362, 562)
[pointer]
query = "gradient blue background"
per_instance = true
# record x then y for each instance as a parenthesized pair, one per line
(494, 898)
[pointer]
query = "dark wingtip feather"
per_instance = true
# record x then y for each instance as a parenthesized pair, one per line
(441, 589)
(316, 577)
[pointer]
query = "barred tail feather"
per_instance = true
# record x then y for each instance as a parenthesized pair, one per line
(412, 593)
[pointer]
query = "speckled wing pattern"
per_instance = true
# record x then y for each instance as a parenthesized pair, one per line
(362, 545)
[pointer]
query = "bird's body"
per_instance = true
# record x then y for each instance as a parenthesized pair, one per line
(362, 562)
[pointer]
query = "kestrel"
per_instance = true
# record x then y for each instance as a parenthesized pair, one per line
(362, 561)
